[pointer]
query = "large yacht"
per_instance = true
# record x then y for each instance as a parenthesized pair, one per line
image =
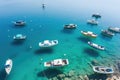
(96, 46)
(70, 26)
(19, 37)
(56, 63)
(107, 33)
(92, 21)
(89, 34)
(114, 29)
(103, 70)
(96, 15)
(19, 23)
(48, 43)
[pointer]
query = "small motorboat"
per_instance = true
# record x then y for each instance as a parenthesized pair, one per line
(56, 63)
(19, 23)
(103, 70)
(48, 43)
(96, 15)
(19, 37)
(70, 26)
(92, 21)
(8, 66)
(114, 29)
(96, 46)
(107, 33)
(89, 34)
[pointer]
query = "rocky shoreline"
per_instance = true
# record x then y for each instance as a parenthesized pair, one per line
(72, 75)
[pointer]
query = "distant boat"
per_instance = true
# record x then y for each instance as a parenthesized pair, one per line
(96, 15)
(56, 63)
(19, 37)
(96, 46)
(89, 34)
(43, 5)
(92, 21)
(103, 70)
(48, 43)
(114, 29)
(8, 66)
(107, 33)
(19, 23)
(70, 26)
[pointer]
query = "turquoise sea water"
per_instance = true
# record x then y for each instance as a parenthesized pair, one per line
(48, 23)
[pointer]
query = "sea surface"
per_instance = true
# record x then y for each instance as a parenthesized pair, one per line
(47, 24)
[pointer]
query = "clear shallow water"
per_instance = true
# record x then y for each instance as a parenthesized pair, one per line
(48, 24)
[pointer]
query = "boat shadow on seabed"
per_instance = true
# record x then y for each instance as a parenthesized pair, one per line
(3, 75)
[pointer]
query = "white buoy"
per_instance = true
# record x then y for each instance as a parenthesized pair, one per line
(30, 46)
(8, 30)
(64, 54)
(30, 20)
(8, 36)
(40, 26)
(31, 29)
(41, 59)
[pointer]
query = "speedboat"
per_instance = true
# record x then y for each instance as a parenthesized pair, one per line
(114, 29)
(8, 66)
(89, 34)
(96, 46)
(56, 63)
(48, 43)
(19, 23)
(70, 26)
(107, 33)
(96, 15)
(103, 70)
(19, 37)
(92, 21)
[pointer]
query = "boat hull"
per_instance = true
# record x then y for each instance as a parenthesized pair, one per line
(103, 70)
(56, 63)
(88, 35)
(54, 42)
(96, 46)
(8, 68)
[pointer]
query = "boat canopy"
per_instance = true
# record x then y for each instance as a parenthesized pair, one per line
(57, 62)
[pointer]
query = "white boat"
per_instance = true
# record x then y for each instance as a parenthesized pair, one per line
(19, 37)
(107, 33)
(96, 15)
(70, 26)
(48, 43)
(114, 29)
(103, 70)
(89, 34)
(96, 46)
(92, 21)
(8, 66)
(56, 63)
(19, 23)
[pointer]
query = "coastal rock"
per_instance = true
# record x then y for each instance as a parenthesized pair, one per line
(81, 78)
(66, 78)
(61, 76)
(54, 78)
(71, 73)
(86, 77)
(74, 78)
(94, 62)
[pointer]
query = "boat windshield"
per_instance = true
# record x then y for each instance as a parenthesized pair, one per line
(97, 68)
(109, 70)
(6, 66)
